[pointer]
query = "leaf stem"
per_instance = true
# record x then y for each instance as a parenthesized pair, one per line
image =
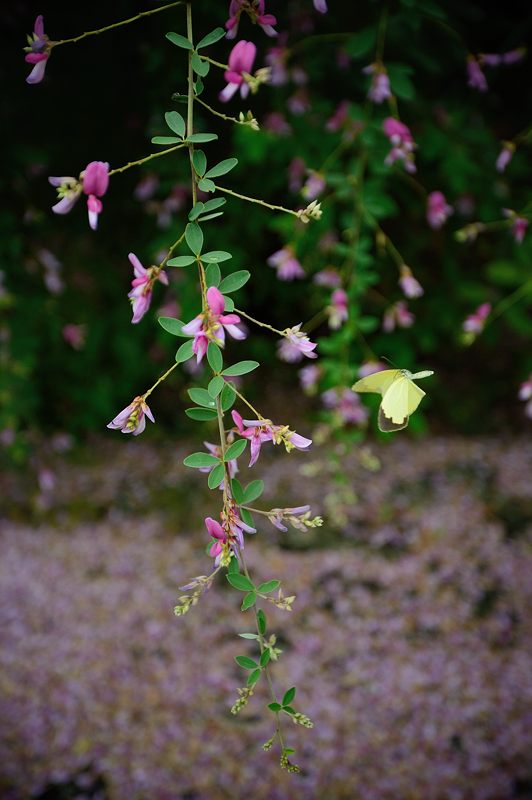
(256, 200)
(144, 160)
(161, 379)
(257, 322)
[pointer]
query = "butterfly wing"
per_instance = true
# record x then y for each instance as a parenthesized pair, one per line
(399, 402)
(378, 382)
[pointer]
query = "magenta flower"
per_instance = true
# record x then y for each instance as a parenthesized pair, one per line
(338, 310)
(379, 89)
(216, 450)
(410, 286)
(321, 6)
(257, 431)
(142, 286)
(95, 184)
(475, 322)
(38, 51)
(133, 418)
(219, 535)
(346, 406)
(475, 77)
(241, 60)
(314, 186)
(296, 344)
(339, 118)
(255, 11)
(519, 226)
(438, 210)
(287, 266)
(505, 156)
(397, 314)
(211, 324)
(402, 143)
(525, 393)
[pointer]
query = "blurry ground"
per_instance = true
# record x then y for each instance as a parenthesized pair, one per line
(410, 641)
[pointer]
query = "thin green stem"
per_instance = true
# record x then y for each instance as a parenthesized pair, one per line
(257, 322)
(314, 321)
(145, 159)
(381, 35)
(116, 24)
(219, 113)
(241, 396)
(256, 200)
(506, 303)
(161, 379)
(171, 250)
(215, 63)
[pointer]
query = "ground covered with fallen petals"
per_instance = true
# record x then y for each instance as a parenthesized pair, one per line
(410, 640)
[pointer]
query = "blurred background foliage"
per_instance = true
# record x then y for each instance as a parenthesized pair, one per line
(70, 359)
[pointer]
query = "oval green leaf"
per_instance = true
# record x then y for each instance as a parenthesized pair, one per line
(214, 357)
(201, 414)
(194, 237)
(201, 397)
(175, 122)
(239, 582)
(198, 460)
(216, 476)
(222, 168)
(184, 352)
(211, 38)
(241, 368)
(179, 40)
(235, 281)
(236, 449)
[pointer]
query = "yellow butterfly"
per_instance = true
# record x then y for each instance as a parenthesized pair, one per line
(400, 395)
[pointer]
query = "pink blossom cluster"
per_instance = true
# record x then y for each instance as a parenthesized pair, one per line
(93, 181)
(212, 324)
(402, 142)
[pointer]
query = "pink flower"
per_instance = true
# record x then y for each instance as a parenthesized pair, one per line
(438, 210)
(241, 60)
(397, 314)
(74, 335)
(95, 184)
(519, 226)
(38, 51)
(68, 191)
(211, 324)
(339, 118)
(309, 377)
(216, 450)
(255, 10)
(259, 431)
(347, 406)
(275, 122)
(277, 515)
(327, 277)
(295, 345)
(475, 322)
(402, 143)
(525, 393)
(314, 186)
(370, 367)
(142, 286)
(321, 6)
(496, 59)
(379, 90)
(218, 534)
(410, 286)
(338, 309)
(475, 77)
(276, 58)
(505, 156)
(133, 418)
(287, 266)
(296, 171)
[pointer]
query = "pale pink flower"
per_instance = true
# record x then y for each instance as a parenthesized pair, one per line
(496, 59)
(275, 122)
(410, 286)
(397, 314)
(327, 277)
(295, 345)
(287, 266)
(211, 324)
(146, 187)
(241, 60)
(321, 6)
(38, 51)
(74, 335)
(505, 156)
(475, 77)
(370, 368)
(142, 286)
(309, 377)
(276, 58)
(68, 190)
(299, 102)
(339, 118)
(519, 226)
(296, 171)
(277, 515)
(314, 185)
(255, 11)
(133, 418)
(438, 210)
(338, 309)
(259, 431)
(475, 322)
(379, 89)
(346, 405)
(525, 393)
(402, 143)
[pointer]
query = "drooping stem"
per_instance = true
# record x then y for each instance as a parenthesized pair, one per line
(222, 116)
(258, 322)
(257, 200)
(171, 250)
(161, 379)
(145, 159)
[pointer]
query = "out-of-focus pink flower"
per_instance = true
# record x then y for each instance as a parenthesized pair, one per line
(525, 393)
(314, 185)
(402, 143)
(287, 266)
(133, 418)
(74, 335)
(216, 450)
(241, 60)
(295, 345)
(142, 286)
(410, 286)
(38, 51)
(146, 187)
(370, 368)
(52, 270)
(321, 6)
(211, 324)
(505, 156)
(327, 277)
(519, 224)
(338, 309)
(339, 118)
(346, 405)
(438, 209)
(475, 322)
(299, 102)
(255, 11)
(95, 184)
(275, 122)
(397, 314)
(496, 59)
(276, 58)
(296, 171)
(379, 89)
(309, 377)
(475, 77)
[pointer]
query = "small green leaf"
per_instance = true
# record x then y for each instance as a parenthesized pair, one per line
(236, 488)
(254, 677)
(253, 491)
(289, 696)
(184, 352)
(211, 38)
(199, 65)
(201, 414)
(240, 582)
(241, 368)
(206, 185)
(289, 710)
(199, 159)
(246, 517)
(198, 460)
(212, 275)
(235, 281)
(288, 751)
(201, 397)
(233, 568)
(165, 140)
(261, 621)
(195, 212)
(211, 216)
(275, 707)
(245, 662)
(175, 122)
(179, 40)
(229, 303)
(362, 42)
(214, 357)
(216, 476)
(248, 601)
(216, 256)
(268, 586)
(248, 635)
(236, 449)
(215, 386)
(199, 138)
(265, 658)
(194, 237)
(180, 261)
(228, 397)
(222, 168)
(216, 202)
(171, 325)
